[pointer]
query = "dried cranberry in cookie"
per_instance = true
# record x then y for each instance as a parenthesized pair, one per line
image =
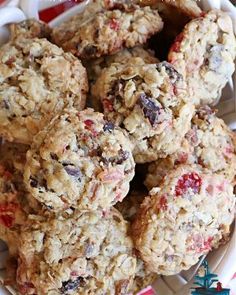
(188, 182)
(209, 143)
(204, 54)
(12, 217)
(37, 81)
(149, 101)
(81, 254)
(107, 30)
(79, 160)
(183, 219)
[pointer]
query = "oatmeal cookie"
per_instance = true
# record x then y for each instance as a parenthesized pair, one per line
(86, 254)
(187, 7)
(107, 30)
(204, 54)
(37, 80)
(149, 102)
(183, 219)
(136, 55)
(126, 56)
(209, 143)
(13, 205)
(80, 160)
(30, 28)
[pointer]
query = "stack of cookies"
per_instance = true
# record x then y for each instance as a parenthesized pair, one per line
(114, 167)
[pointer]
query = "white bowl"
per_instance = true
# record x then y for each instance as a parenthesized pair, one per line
(221, 261)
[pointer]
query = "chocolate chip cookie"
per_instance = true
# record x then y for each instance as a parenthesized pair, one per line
(150, 102)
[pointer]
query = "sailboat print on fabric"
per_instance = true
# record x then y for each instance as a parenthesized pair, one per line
(205, 279)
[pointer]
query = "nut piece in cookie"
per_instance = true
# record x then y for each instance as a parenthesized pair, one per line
(204, 54)
(183, 219)
(79, 160)
(209, 143)
(107, 31)
(29, 29)
(37, 81)
(84, 254)
(149, 102)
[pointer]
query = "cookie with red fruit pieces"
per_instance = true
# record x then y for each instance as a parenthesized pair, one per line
(149, 101)
(79, 160)
(107, 30)
(204, 54)
(12, 216)
(13, 202)
(86, 253)
(209, 143)
(189, 214)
